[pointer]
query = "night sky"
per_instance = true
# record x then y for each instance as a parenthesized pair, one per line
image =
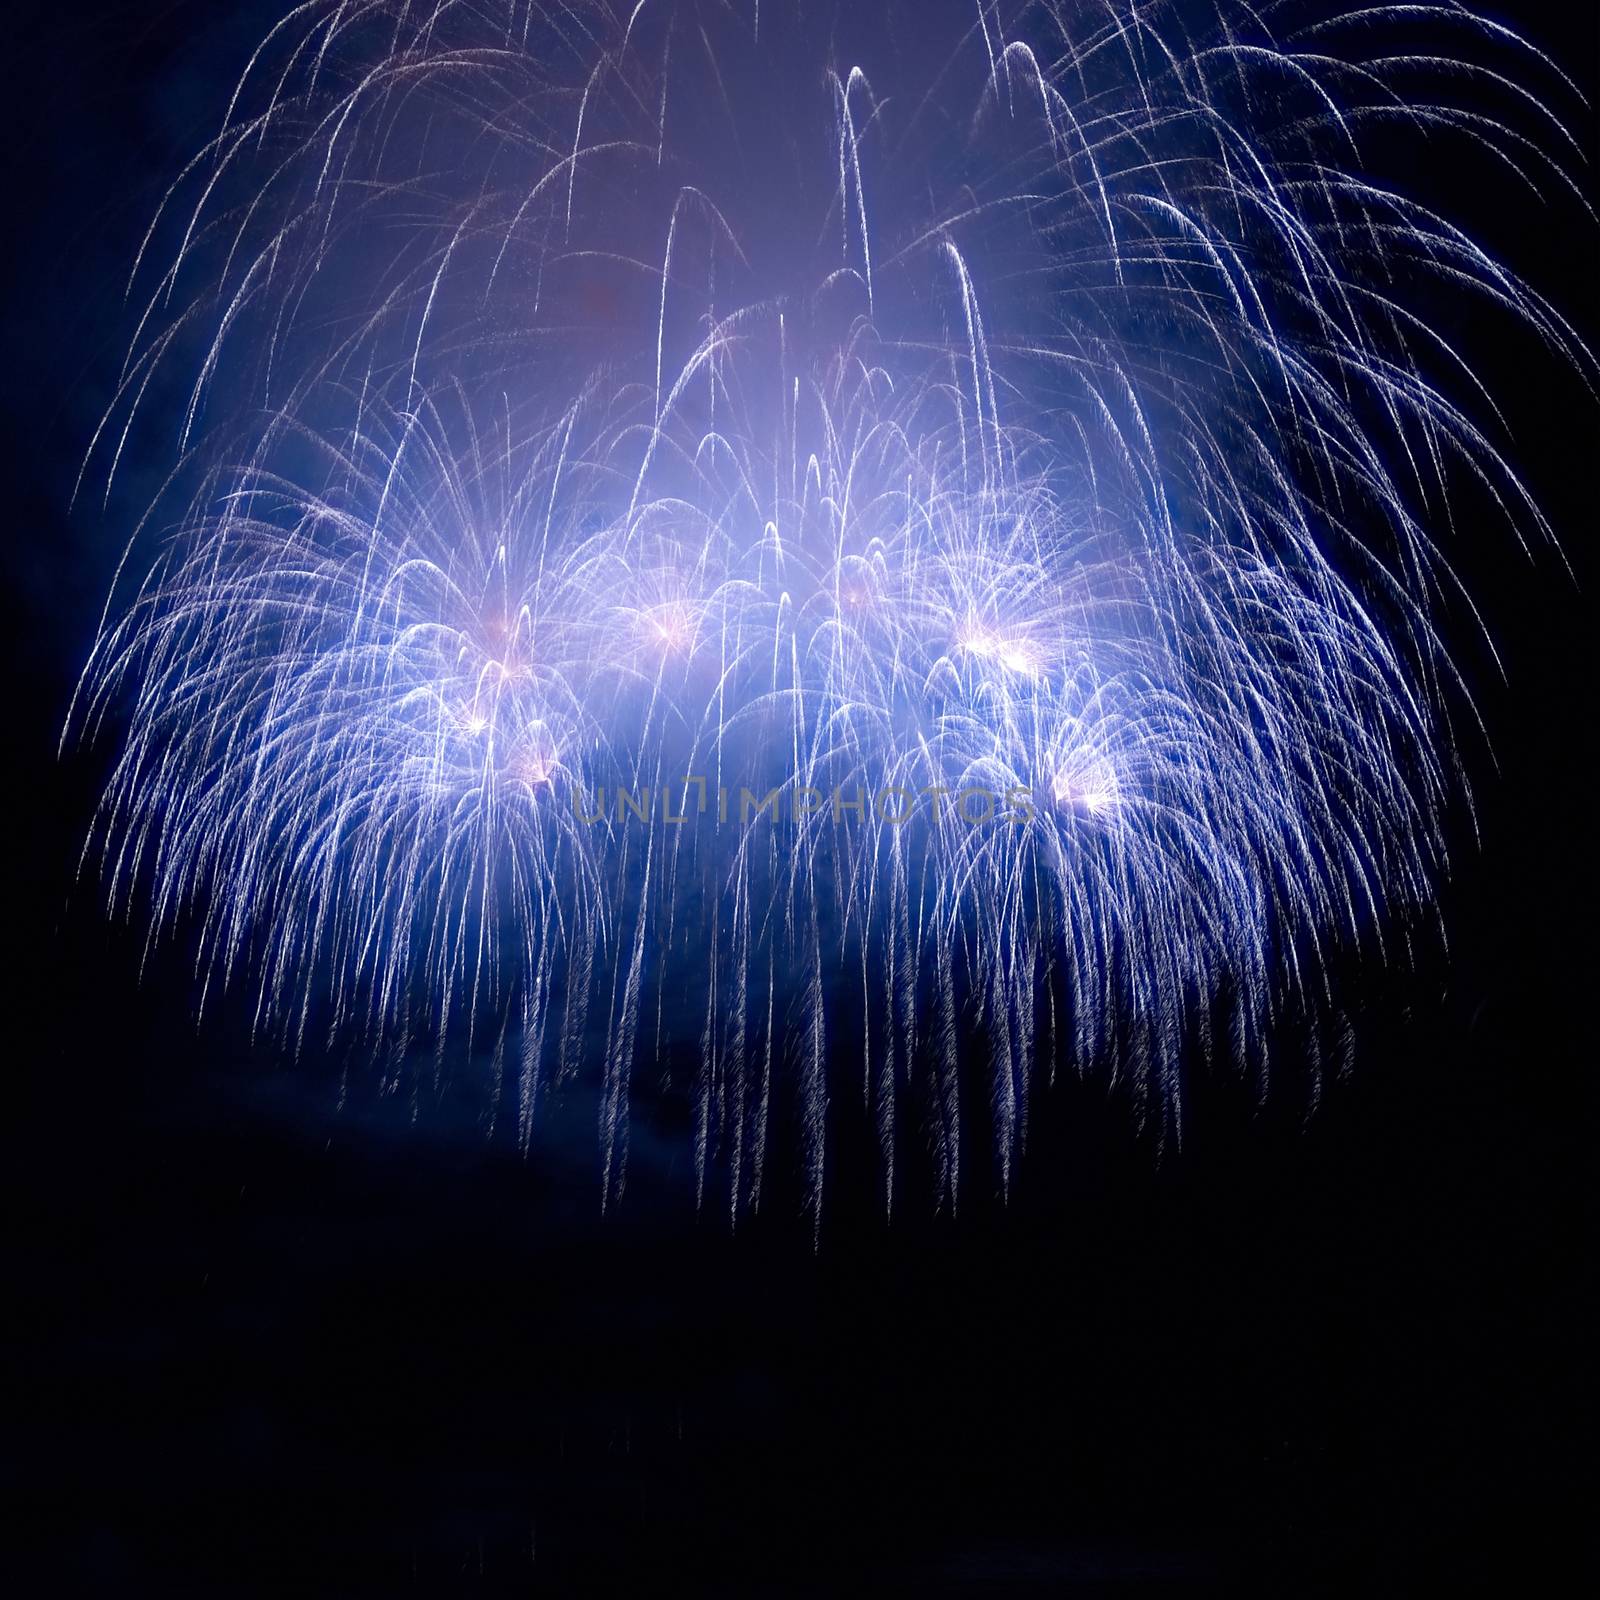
(264, 1345)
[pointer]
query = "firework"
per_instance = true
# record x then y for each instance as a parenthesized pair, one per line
(694, 528)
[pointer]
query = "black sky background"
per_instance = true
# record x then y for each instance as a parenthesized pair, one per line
(261, 1346)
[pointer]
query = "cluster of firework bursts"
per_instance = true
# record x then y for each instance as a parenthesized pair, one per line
(1013, 433)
